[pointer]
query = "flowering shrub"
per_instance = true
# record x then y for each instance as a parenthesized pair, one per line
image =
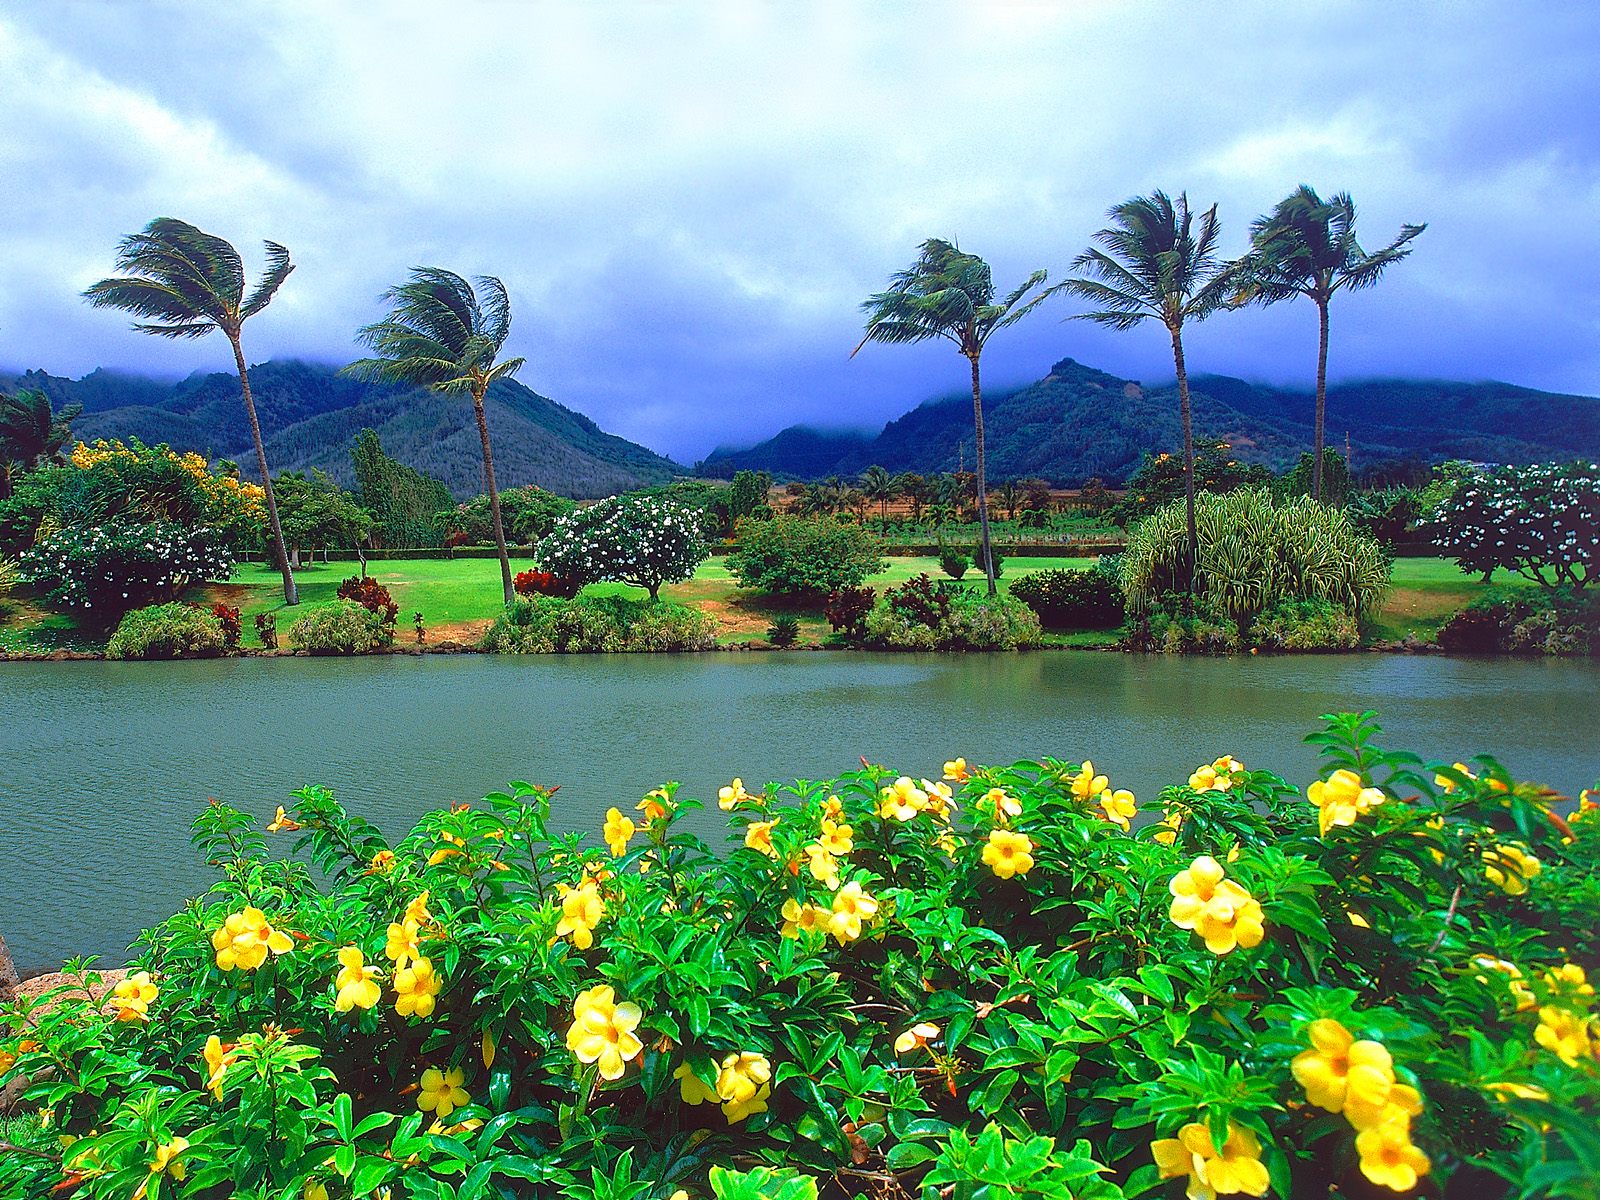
(543, 583)
(646, 541)
(1542, 522)
(103, 571)
(343, 627)
(172, 630)
(990, 983)
(232, 626)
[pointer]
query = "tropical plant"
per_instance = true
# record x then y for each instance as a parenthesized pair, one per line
(643, 540)
(100, 572)
(802, 557)
(950, 294)
(446, 334)
(405, 504)
(31, 433)
(1254, 551)
(316, 513)
(1068, 599)
(172, 630)
(1541, 521)
(923, 615)
(1307, 246)
(1157, 261)
(877, 484)
(185, 283)
(342, 627)
(1161, 479)
(784, 630)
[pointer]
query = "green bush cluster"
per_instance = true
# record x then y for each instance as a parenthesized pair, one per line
(803, 557)
(342, 627)
(597, 625)
(1304, 625)
(1073, 599)
(1505, 622)
(172, 630)
(989, 984)
(923, 615)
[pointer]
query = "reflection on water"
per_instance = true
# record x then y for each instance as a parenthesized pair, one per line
(104, 764)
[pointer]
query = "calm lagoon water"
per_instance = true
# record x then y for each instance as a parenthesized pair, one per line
(102, 765)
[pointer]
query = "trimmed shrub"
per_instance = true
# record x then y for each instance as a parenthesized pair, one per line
(954, 561)
(1072, 599)
(803, 557)
(171, 630)
(343, 627)
(597, 625)
(995, 557)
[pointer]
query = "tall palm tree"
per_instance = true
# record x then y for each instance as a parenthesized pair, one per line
(877, 484)
(186, 283)
(1157, 260)
(446, 334)
(1307, 246)
(30, 433)
(950, 294)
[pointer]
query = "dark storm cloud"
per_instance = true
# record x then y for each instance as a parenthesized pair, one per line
(689, 202)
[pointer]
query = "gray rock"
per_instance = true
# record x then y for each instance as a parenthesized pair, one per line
(8, 973)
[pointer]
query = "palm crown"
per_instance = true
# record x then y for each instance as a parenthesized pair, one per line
(440, 332)
(946, 293)
(1307, 246)
(30, 431)
(186, 282)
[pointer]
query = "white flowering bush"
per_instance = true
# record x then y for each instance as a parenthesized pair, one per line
(100, 572)
(646, 541)
(1542, 522)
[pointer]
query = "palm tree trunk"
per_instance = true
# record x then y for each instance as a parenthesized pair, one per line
(291, 592)
(1322, 400)
(983, 485)
(1188, 448)
(494, 496)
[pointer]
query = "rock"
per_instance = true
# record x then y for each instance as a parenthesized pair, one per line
(8, 973)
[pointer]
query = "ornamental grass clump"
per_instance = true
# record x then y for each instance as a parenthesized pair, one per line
(1020, 979)
(173, 630)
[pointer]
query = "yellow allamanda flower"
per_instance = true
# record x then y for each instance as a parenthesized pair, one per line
(743, 1085)
(1002, 804)
(382, 863)
(1216, 776)
(798, 918)
(758, 837)
(836, 838)
(1215, 907)
(1342, 798)
(1446, 784)
(1086, 784)
(1118, 807)
(940, 799)
(901, 800)
(356, 982)
(833, 809)
(1388, 1157)
(1008, 854)
(454, 847)
(919, 1035)
(416, 989)
(1569, 977)
(654, 805)
(692, 1088)
(1507, 1090)
(441, 1092)
(245, 939)
(851, 906)
(1234, 1169)
(401, 944)
(618, 831)
(417, 910)
(133, 996)
(1173, 820)
(1520, 991)
(582, 910)
(823, 865)
(602, 1031)
(1344, 1075)
(957, 771)
(217, 1058)
(732, 795)
(1509, 867)
(283, 823)
(1564, 1033)
(167, 1160)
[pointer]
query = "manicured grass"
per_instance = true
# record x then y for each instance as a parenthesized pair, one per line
(1424, 592)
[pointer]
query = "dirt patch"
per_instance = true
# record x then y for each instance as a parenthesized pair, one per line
(468, 633)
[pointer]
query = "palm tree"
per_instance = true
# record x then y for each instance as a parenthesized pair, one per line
(949, 294)
(1158, 261)
(30, 433)
(186, 283)
(877, 484)
(1307, 247)
(445, 333)
(1010, 496)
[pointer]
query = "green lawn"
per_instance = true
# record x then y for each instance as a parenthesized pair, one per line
(1423, 592)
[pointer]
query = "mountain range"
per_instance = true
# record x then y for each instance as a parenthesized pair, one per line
(1078, 423)
(310, 414)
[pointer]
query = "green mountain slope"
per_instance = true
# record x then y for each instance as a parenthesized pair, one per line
(309, 414)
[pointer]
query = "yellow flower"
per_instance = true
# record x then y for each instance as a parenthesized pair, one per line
(417, 910)
(692, 1088)
(1563, 1033)
(1086, 784)
(833, 808)
(1446, 784)
(901, 800)
(1569, 977)
(758, 837)
(836, 838)
(441, 1092)
(133, 996)
(283, 822)
(245, 939)
(356, 983)
(743, 1084)
(618, 831)
(1341, 798)
(824, 866)
(654, 805)
(1173, 820)
(602, 1031)
(732, 795)
(167, 1160)
(416, 988)
(1509, 868)
(957, 771)
(402, 944)
(919, 1034)
(798, 918)
(1389, 1159)
(940, 799)
(582, 910)
(1002, 804)
(1234, 1169)
(1516, 1091)
(453, 849)
(1520, 991)
(382, 863)
(1118, 807)
(1008, 854)
(218, 1058)
(1216, 908)
(1341, 1074)
(851, 906)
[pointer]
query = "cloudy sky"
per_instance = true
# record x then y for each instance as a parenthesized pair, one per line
(688, 201)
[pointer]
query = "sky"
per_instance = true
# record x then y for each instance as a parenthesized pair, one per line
(689, 201)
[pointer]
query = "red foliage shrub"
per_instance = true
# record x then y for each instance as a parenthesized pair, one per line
(543, 583)
(229, 616)
(371, 595)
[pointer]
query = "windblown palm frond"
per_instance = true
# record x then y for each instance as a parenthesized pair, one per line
(948, 294)
(440, 333)
(30, 432)
(1307, 246)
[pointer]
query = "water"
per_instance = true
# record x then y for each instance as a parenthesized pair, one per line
(102, 765)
